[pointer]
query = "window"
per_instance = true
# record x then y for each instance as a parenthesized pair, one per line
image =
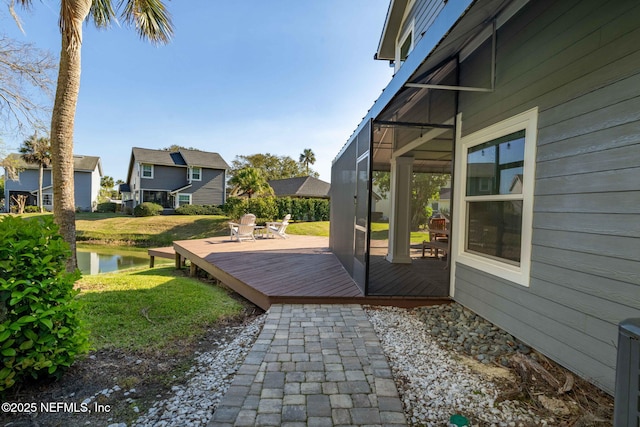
(47, 199)
(184, 199)
(495, 199)
(404, 46)
(147, 171)
(196, 174)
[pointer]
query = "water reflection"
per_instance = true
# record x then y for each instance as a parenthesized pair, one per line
(95, 262)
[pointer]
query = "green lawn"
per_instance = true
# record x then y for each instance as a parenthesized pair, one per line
(147, 231)
(148, 309)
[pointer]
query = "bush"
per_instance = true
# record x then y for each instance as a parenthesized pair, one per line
(234, 207)
(199, 210)
(147, 209)
(31, 209)
(40, 331)
(106, 207)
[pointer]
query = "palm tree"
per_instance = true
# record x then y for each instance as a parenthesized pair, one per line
(152, 22)
(37, 151)
(250, 181)
(307, 158)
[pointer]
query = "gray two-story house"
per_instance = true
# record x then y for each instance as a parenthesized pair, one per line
(87, 174)
(173, 179)
(532, 109)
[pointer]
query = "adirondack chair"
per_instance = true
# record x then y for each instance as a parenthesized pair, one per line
(243, 230)
(278, 228)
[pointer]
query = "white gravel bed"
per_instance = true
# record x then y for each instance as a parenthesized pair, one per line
(433, 385)
(193, 403)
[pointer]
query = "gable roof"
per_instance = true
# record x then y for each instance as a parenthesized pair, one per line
(80, 163)
(204, 159)
(182, 158)
(304, 186)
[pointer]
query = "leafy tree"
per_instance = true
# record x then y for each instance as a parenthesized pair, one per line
(307, 158)
(24, 70)
(424, 187)
(37, 150)
(1, 190)
(106, 188)
(152, 22)
(250, 181)
(174, 148)
(272, 166)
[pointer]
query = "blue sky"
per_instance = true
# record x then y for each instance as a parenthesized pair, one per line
(239, 78)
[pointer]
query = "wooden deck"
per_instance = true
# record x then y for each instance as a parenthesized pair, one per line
(424, 277)
(300, 269)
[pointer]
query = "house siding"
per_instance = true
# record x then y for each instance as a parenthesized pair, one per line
(422, 14)
(209, 191)
(165, 178)
(577, 61)
(82, 183)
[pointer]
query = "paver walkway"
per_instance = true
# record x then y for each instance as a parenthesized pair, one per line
(313, 365)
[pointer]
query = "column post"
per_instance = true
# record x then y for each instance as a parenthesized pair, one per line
(400, 217)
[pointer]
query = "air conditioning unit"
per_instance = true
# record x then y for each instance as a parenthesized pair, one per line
(627, 399)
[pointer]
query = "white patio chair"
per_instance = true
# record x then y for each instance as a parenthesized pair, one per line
(278, 228)
(243, 230)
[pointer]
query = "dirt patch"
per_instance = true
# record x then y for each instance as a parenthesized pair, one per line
(112, 386)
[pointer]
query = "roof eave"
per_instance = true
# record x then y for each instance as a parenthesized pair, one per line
(393, 21)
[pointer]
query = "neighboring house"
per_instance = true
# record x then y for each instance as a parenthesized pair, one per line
(173, 179)
(303, 187)
(87, 174)
(545, 243)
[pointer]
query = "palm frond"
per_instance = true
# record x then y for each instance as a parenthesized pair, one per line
(150, 18)
(102, 12)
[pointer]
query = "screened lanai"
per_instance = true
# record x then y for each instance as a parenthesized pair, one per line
(409, 133)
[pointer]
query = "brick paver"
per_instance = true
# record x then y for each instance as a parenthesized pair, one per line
(313, 365)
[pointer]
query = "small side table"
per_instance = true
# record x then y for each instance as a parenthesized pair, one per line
(259, 231)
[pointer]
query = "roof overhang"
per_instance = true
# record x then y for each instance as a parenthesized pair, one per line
(404, 123)
(392, 23)
(177, 190)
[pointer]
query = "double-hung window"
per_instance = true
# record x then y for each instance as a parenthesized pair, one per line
(195, 174)
(147, 171)
(495, 200)
(184, 199)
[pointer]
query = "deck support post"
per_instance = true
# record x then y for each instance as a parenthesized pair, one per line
(193, 269)
(178, 261)
(152, 260)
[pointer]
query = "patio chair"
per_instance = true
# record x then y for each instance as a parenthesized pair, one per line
(278, 228)
(243, 230)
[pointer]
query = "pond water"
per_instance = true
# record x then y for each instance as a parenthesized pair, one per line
(92, 261)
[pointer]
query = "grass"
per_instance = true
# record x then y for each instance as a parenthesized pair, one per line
(147, 231)
(380, 231)
(150, 309)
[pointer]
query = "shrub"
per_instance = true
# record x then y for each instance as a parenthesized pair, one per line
(147, 209)
(31, 209)
(234, 207)
(263, 207)
(40, 331)
(106, 207)
(199, 210)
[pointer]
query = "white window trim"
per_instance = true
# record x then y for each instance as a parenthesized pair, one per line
(191, 178)
(142, 165)
(519, 274)
(183, 194)
(400, 41)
